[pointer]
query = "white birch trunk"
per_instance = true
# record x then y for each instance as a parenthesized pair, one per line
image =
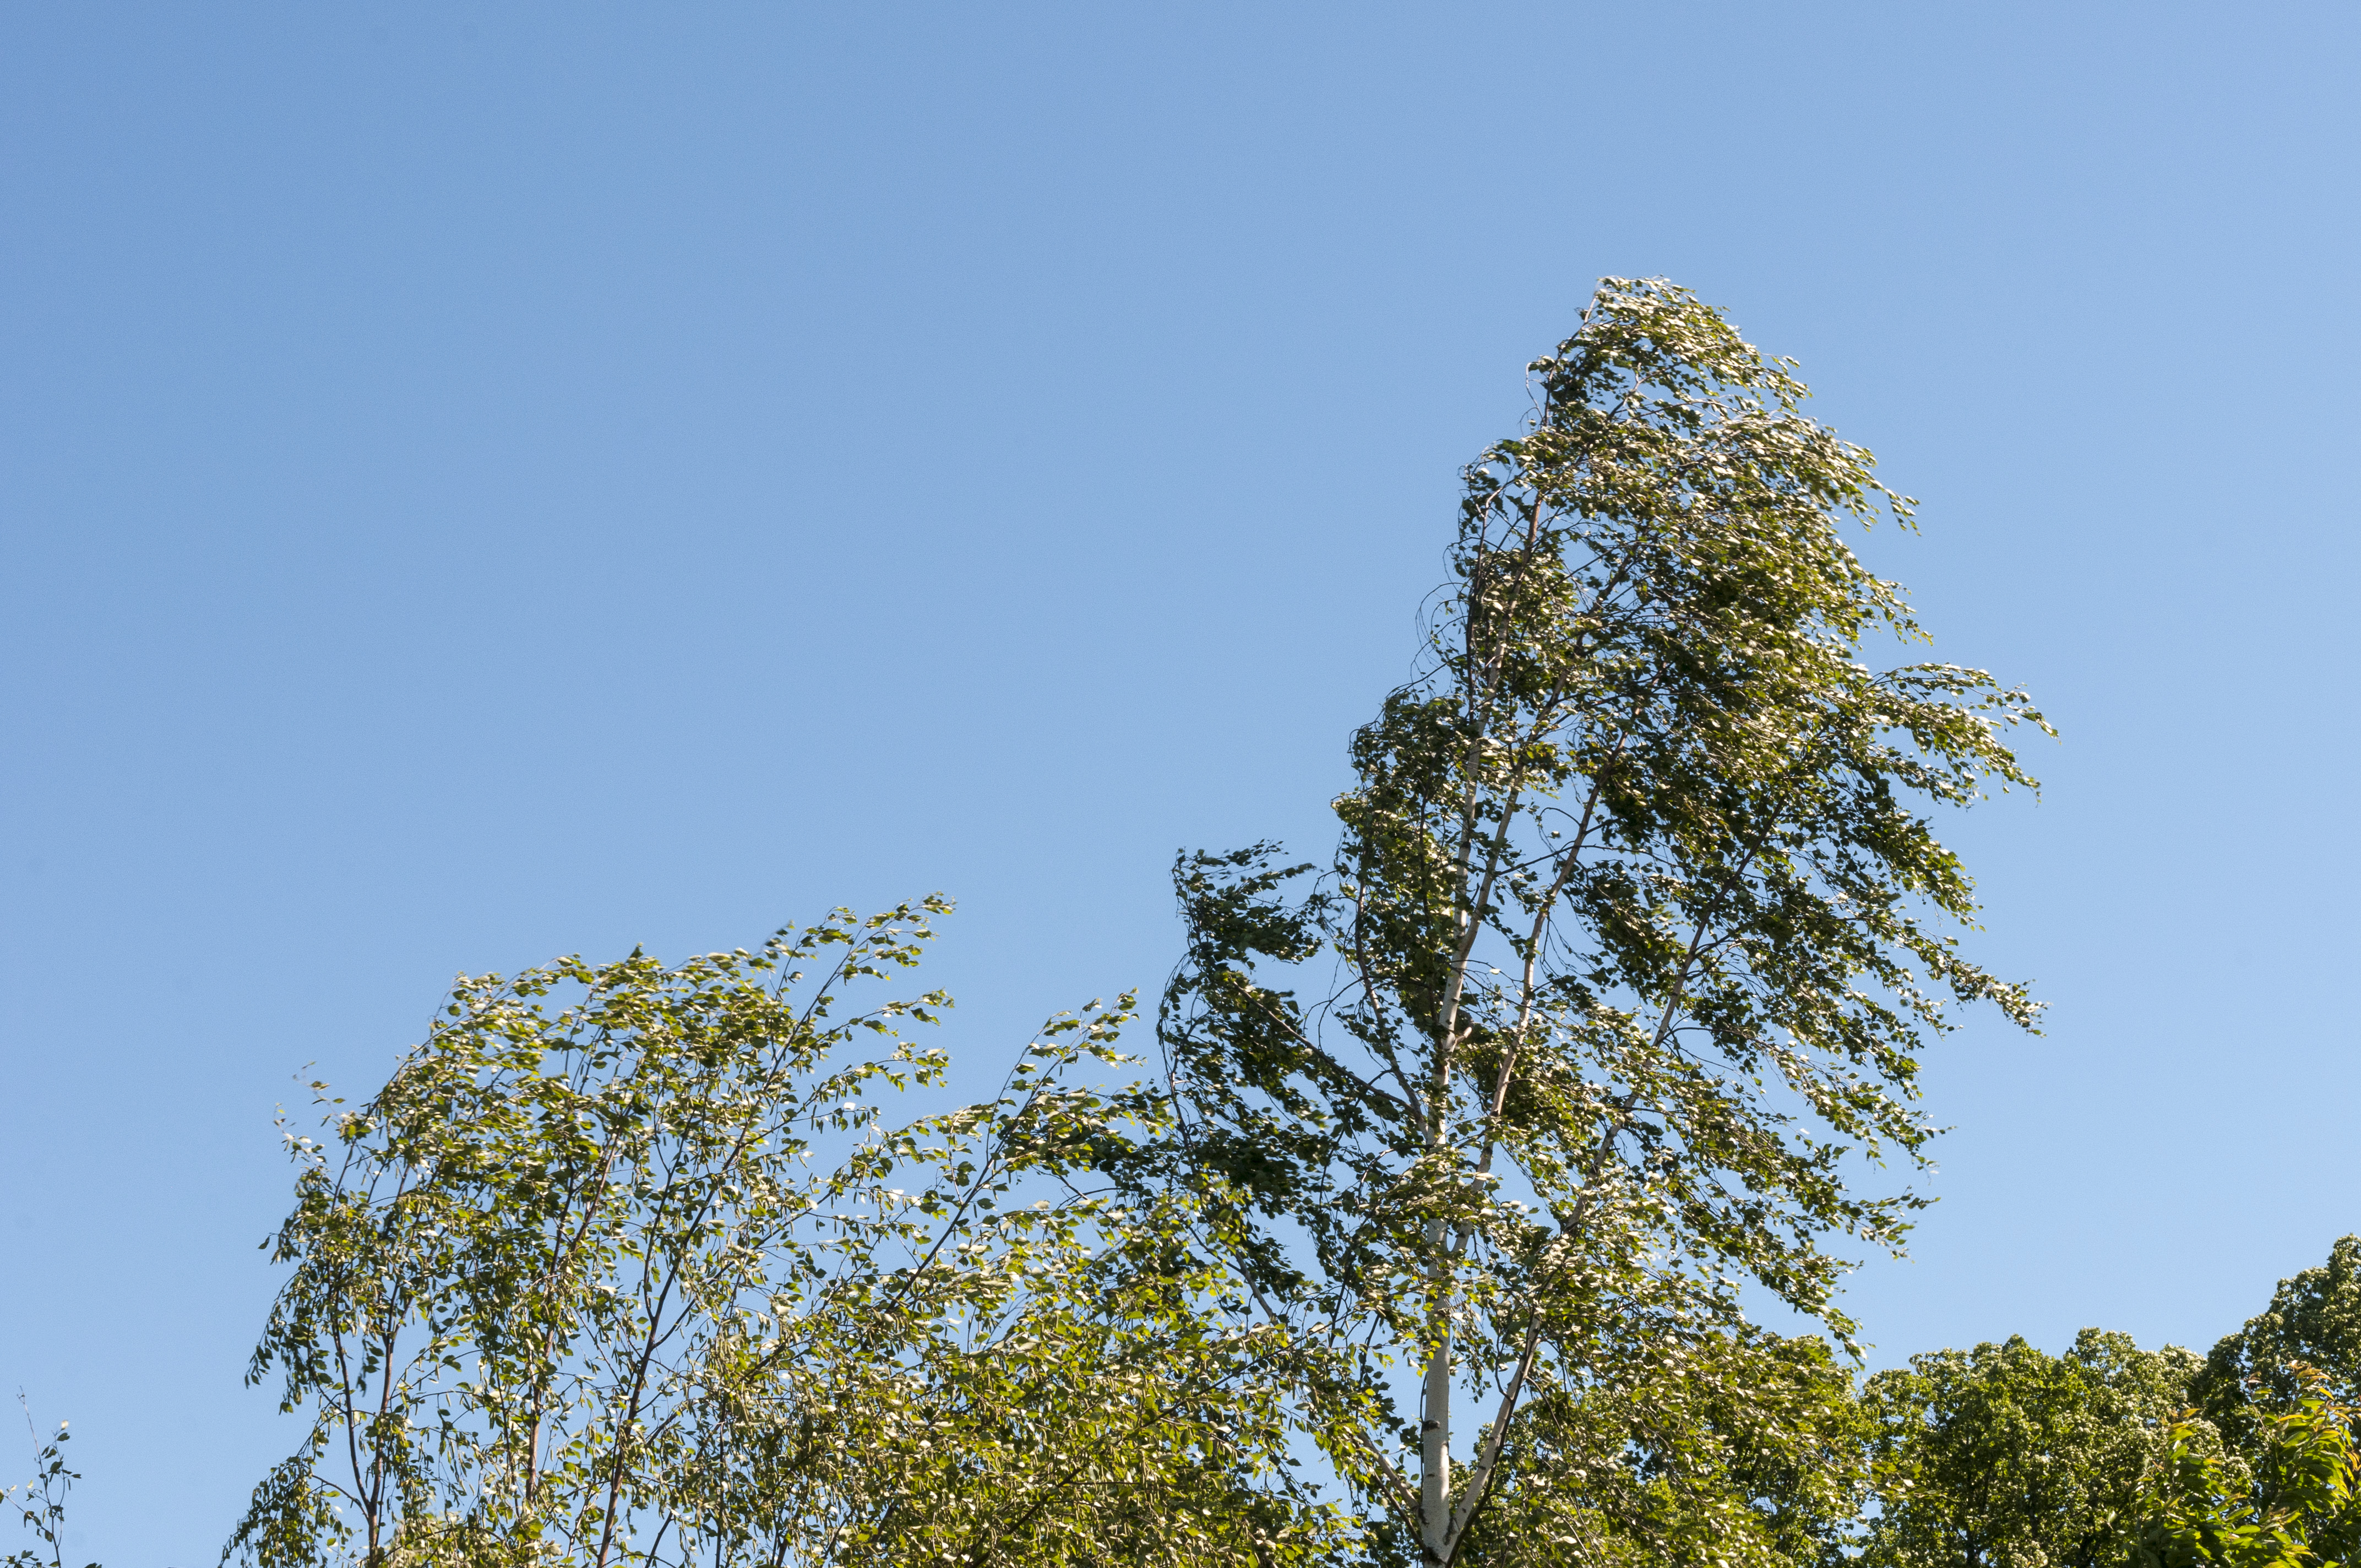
(1434, 1449)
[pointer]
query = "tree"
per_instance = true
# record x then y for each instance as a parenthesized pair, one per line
(2007, 1457)
(624, 1264)
(1635, 932)
(2313, 1321)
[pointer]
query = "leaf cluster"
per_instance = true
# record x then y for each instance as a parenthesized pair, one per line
(2289, 1504)
(40, 1500)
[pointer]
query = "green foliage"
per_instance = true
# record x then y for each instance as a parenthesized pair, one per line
(2007, 1457)
(1621, 971)
(624, 1264)
(2314, 1321)
(1751, 1451)
(2292, 1505)
(1629, 929)
(40, 1500)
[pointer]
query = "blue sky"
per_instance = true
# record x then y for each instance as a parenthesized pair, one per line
(478, 483)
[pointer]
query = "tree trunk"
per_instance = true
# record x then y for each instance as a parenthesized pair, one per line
(1434, 1449)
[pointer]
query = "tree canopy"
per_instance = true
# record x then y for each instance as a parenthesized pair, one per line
(2004, 1456)
(2313, 1322)
(1444, 1228)
(626, 1264)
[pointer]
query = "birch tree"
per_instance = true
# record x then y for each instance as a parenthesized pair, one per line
(1622, 971)
(625, 1264)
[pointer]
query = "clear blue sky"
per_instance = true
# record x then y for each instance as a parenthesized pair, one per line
(482, 482)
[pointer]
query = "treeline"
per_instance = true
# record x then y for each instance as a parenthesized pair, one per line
(2111, 1455)
(1422, 1236)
